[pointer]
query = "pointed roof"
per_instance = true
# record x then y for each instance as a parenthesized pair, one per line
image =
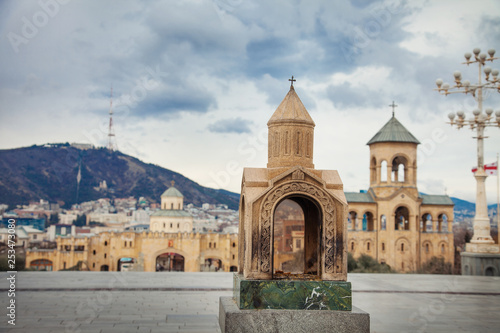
(172, 192)
(393, 131)
(291, 109)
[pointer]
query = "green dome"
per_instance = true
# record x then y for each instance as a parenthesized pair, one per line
(172, 192)
(393, 131)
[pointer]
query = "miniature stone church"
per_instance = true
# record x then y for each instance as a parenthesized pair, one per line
(266, 295)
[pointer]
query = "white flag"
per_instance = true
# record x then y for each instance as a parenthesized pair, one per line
(490, 169)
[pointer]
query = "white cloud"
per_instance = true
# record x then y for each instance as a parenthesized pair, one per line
(231, 60)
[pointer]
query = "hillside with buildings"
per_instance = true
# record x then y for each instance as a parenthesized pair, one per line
(69, 174)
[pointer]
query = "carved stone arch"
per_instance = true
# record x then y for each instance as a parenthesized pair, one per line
(327, 206)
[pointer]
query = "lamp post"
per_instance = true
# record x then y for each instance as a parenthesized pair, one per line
(478, 122)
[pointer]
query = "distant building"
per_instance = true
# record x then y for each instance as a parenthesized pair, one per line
(82, 146)
(392, 222)
(37, 223)
(58, 230)
(24, 235)
(171, 217)
(67, 218)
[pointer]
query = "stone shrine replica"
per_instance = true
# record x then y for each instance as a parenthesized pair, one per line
(307, 291)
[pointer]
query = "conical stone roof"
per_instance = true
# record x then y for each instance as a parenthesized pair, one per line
(291, 109)
(393, 131)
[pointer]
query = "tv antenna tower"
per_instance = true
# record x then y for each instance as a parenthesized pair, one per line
(111, 134)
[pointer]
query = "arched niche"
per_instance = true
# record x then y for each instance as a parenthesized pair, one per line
(323, 232)
(296, 237)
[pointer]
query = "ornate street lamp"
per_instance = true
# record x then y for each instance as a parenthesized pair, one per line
(478, 122)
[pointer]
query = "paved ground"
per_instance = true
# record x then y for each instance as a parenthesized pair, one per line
(188, 302)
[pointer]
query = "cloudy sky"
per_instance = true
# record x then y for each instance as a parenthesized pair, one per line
(195, 81)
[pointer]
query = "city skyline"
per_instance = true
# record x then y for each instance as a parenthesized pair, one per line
(195, 83)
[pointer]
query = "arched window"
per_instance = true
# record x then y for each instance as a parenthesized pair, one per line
(369, 221)
(383, 171)
(276, 143)
(171, 206)
(426, 223)
(402, 219)
(383, 247)
(383, 222)
(105, 243)
(352, 219)
(352, 246)
(398, 169)
(210, 245)
(368, 246)
(402, 247)
(442, 223)
(443, 249)
(234, 244)
(401, 173)
(373, 170)
(427, 248)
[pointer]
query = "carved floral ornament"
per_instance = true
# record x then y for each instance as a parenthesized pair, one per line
(315, 193)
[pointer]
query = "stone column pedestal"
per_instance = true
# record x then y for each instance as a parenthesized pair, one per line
(234, 320)
(481, 264)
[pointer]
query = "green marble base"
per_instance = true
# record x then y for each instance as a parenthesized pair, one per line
(292, 294)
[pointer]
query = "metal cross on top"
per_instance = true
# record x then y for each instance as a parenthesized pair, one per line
(292, 81)
(393, 107)
(172, 183)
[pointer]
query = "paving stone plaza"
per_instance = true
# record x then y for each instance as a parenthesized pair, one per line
(189, 302)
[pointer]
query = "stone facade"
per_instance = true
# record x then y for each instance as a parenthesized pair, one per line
(104, 251)
(169, 245)
(392, 222)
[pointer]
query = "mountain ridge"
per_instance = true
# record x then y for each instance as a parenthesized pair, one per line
(50, 172)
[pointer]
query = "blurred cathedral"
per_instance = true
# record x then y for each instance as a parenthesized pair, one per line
(391, 221)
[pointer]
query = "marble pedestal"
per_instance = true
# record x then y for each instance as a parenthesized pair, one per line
(232, 319)
(290, 306)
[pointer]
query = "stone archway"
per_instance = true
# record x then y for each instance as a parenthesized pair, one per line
(296, 239)
(170, 262)
(151, 264)
(330, 254)
(41, 265)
